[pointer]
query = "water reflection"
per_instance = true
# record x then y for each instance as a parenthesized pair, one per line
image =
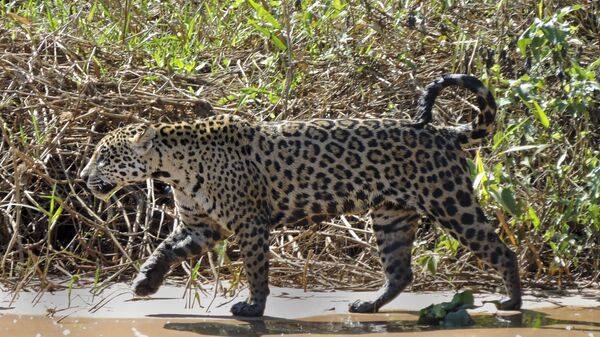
(276, 326)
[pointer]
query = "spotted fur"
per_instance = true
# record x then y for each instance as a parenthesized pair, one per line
(230, 175)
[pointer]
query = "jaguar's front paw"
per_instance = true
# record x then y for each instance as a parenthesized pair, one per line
(247, 310)
(145, 286)
(363, 307)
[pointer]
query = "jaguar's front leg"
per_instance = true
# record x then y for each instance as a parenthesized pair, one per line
(254, 246)
(184, 242)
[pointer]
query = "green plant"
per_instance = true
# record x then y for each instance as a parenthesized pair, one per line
(542, 150)
(449, 314)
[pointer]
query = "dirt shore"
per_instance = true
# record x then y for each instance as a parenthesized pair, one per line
(291, 312)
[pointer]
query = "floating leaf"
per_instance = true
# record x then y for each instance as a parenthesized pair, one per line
(449, 314)
(457, 319)
(432, 314)
(464, 300)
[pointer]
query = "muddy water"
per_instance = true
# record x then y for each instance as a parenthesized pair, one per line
(290, 312)
(549, 322)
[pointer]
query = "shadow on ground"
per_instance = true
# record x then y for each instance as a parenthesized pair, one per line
(278, 326)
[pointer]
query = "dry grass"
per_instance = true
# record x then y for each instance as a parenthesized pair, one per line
(61, 91)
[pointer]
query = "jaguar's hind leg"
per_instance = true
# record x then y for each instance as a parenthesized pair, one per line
(394, 229)
(460, 213)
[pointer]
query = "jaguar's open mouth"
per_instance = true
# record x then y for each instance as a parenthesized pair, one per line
(101, 188)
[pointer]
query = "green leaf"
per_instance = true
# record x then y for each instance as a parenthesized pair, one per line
(464, 300)
(264, 14)
(221, 250)
(508, 199)
(522, 45)
(92, 12)
(432, 314)
(540, 115)
(56, 214)
(457, 319)
(503, 101)
(278, 42)
(505, 197)
(337, 5)
(432, 263)
(593, 66)
(451, 313)
(269, 35)
(497, 139)
(510, 131)
(535, 221)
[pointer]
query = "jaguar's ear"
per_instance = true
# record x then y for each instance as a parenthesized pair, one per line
(144, 139)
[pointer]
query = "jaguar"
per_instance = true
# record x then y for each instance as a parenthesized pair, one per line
(230, 176)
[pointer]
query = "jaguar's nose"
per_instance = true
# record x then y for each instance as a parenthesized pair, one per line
(86, 170)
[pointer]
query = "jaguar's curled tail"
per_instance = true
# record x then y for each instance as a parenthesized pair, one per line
(482, 126)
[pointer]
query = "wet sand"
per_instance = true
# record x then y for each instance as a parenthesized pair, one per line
(550, 322)
(290, 312)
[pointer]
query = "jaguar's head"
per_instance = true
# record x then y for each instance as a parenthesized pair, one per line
(122, 157)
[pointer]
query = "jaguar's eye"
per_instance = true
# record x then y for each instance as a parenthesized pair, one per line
(101, 161)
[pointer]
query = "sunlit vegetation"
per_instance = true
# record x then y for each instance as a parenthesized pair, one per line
(72, 70)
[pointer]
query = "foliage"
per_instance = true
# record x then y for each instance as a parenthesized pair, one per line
(71, 70)
(449, 314)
